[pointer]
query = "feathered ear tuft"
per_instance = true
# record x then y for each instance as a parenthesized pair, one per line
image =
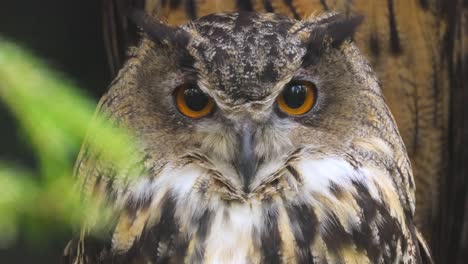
(158, 31)
(335, 29)
(331, 31)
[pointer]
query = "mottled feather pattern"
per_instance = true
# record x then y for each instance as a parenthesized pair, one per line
(403, 40)
(416, 48)
(353, 216)
(326, 191)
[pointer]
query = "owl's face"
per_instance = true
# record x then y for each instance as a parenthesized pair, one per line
(260, 134)
(248, 91)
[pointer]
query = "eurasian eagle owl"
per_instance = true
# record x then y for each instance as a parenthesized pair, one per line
(265, 139)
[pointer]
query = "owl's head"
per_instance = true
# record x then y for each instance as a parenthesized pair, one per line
(263, 138)
(244, 94)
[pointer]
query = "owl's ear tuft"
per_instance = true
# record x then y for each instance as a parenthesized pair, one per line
(158, 31)
(336, 29)
(329, 32)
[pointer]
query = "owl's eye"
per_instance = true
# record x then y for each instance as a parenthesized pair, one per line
(297, 98)
(193, 102)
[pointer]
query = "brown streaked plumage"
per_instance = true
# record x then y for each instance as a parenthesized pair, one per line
(333, 185)
(400, 38)
(418, 49)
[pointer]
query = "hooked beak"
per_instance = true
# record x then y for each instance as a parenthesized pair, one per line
(246, 160)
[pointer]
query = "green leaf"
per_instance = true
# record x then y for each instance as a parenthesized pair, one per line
(55, 117)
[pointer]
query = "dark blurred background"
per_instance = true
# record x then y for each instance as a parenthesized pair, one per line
(68, 35)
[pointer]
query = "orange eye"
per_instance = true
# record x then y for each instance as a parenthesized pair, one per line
(193, 102)
(297, 98)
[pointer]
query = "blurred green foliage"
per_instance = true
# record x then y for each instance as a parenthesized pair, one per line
(55, 117)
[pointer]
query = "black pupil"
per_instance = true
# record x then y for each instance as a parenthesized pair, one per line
(295, 95)
(195, 99)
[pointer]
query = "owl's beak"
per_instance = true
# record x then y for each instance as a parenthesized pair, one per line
(246, 160)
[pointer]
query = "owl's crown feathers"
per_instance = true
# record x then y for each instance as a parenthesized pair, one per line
(328, 31)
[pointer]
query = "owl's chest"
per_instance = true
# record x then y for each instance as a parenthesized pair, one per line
(304, 218)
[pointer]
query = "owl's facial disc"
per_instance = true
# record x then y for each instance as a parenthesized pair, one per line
(238, 84)
(256, 136)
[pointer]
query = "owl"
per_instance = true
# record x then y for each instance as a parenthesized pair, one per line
(264, 139)
(416, 48)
